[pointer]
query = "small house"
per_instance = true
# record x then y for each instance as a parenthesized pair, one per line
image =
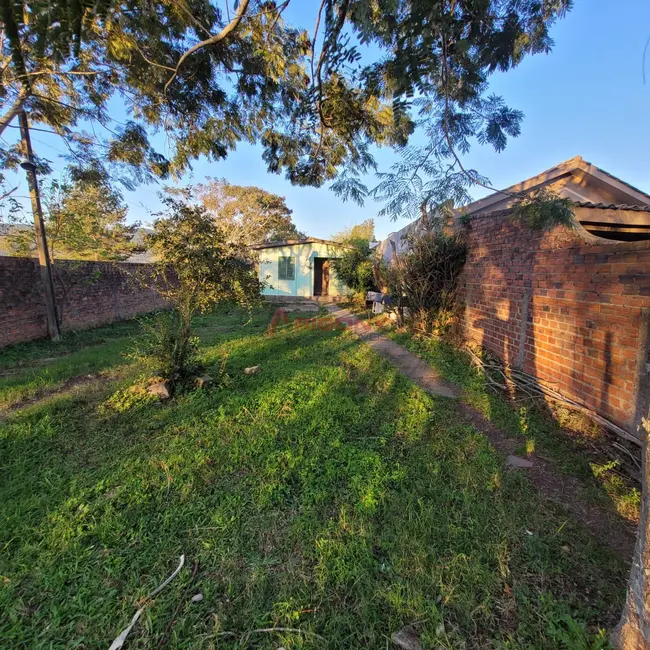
(300, 268)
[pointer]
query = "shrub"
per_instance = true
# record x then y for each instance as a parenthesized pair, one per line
(424, 279)
(198, 267)
(167, 347)
(355, 266)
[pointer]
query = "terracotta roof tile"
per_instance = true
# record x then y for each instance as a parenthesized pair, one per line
(612, 206)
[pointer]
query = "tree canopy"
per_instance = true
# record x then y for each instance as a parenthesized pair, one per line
(209, 75)
(248, 214)
(84, 219)
(87, 220)
(364, 231)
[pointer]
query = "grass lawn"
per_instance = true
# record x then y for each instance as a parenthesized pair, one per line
(327, 495)
(540, 429)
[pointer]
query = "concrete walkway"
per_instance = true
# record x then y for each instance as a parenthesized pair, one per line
(406, 362)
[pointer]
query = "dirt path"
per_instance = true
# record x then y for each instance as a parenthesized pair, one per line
(551, 483)
(65, 387)
(405, 361)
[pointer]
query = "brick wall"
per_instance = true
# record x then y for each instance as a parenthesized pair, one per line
(570, 308)
(88, 294)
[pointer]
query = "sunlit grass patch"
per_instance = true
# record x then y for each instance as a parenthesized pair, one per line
(326, 494)
(564, 435)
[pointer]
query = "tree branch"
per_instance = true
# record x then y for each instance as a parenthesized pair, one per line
(313, 43)
(445, 125)
(342, 14)
(55, 73)
(153, 63)
(16, 107)
(8, 193)
(230, 27)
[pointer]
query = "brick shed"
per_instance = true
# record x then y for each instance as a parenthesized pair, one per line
(571, 307)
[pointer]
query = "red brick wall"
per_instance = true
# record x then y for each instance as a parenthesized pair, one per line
(88, 294)
(565, 306)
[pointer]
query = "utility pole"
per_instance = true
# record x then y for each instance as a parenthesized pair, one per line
(41, 243)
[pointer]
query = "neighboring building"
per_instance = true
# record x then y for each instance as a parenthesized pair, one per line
(604, 205)
(300, 268)
(568, 306)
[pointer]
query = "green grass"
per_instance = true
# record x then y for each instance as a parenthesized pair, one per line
(327, 494)
(28, 369)
(540, 429)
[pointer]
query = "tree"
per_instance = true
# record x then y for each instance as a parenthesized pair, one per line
(249, 215)
(84, 220)
(444, 52)
(197, 267)
(364, 231)
(207, 75)
(87, 220)
(633, 630)
(210, 77)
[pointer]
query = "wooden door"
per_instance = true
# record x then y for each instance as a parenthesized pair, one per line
(326, 278)
(321, 276)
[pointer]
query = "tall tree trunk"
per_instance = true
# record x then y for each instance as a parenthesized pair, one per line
(633, 631)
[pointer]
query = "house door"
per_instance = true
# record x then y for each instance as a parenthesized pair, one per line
(321, 276)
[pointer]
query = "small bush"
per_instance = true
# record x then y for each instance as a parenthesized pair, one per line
(166, 348)
(355, 267)
(424, 280)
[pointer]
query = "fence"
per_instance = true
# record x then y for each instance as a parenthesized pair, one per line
(88, 294)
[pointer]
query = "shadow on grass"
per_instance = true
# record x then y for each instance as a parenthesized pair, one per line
(31, 370)
(327, 493)
(566, 437)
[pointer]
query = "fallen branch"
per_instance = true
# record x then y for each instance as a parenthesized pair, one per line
(121, 638)
(267, 630)
(530, 384)
(172, 620)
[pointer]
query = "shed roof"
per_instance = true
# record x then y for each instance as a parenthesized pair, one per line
(577, 167)
(294, 242)
(612, 206)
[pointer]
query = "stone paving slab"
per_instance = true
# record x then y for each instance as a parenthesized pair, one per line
(405, 361)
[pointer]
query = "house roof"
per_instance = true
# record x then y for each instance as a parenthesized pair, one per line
(581, 182)
(294, 242)
(502, 212)
(611, 206)
(577, 167)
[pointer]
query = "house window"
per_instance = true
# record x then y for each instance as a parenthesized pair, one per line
(286, 268)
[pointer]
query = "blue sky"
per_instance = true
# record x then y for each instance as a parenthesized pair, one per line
(586, 98)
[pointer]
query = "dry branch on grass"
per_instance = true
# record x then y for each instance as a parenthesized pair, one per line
(529, 384)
